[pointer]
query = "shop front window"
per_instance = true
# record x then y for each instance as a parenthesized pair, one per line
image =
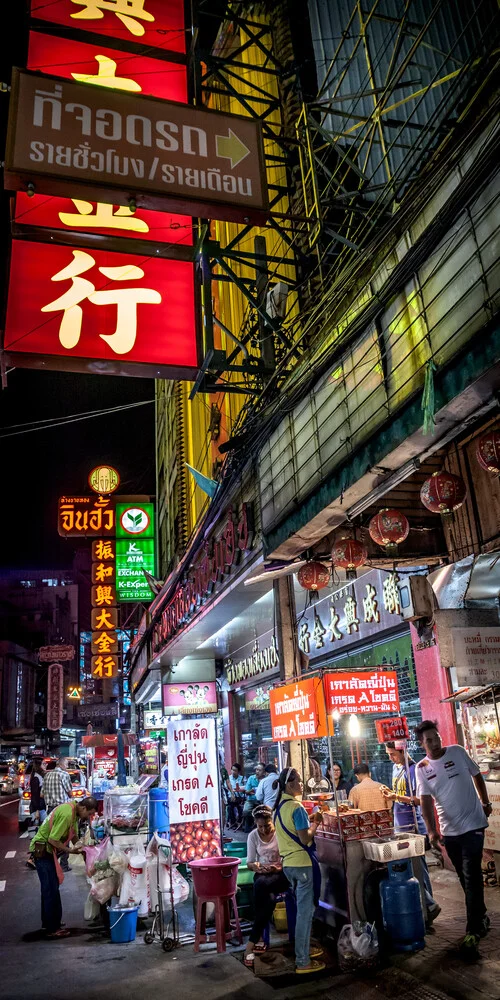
(256, 744)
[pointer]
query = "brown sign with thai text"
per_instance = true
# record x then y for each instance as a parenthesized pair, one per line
(66, 136)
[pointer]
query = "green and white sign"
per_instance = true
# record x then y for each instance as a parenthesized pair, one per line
(136, 520)
(132, 556)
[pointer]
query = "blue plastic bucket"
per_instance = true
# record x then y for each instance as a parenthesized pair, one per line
(123, 923)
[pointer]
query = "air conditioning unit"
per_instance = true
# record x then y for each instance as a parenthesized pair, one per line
(416, 597)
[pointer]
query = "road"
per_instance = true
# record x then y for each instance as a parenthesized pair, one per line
(88, 965)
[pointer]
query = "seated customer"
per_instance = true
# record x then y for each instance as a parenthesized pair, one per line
(263, 858)
(367, 794)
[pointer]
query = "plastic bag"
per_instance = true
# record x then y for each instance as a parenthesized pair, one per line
(103, 889)
(91, 908)
(95, 853)
(357, 946)
(134, 883)
(118, 860)
(159, 856)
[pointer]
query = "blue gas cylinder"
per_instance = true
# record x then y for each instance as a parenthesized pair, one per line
(402, 907)
(158, 811)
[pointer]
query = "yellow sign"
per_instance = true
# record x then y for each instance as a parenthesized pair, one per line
(104, 479)
(75, 693)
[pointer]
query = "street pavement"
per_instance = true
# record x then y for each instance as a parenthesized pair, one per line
(88, 965)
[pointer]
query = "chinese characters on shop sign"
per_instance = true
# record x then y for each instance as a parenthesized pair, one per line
(104, 636)
(347, 612)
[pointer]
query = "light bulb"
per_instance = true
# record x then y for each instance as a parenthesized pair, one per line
(354, 727)
(336, 715)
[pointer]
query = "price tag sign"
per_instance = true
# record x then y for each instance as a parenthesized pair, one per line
(392, 729)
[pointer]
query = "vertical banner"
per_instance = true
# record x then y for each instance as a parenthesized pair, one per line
(193, 794)
(55, 696)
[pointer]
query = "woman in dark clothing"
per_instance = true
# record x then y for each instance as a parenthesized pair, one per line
(337, 779)
(37, 804)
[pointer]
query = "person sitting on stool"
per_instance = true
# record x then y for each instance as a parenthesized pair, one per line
(263, 858)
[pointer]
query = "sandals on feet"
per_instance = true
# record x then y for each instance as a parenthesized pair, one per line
(60, 933)
(314, 966)
(249, 960)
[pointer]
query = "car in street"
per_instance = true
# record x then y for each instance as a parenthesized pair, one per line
(78, 791)
(9, 779)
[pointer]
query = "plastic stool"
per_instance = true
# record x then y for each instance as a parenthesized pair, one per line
(225, 927)
(291, 916)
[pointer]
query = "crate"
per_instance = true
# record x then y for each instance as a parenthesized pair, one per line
(245, 875)
(408, 845)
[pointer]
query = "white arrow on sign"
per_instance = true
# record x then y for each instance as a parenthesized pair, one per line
(230, 147)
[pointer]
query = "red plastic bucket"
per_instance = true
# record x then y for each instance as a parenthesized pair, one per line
(215, 876)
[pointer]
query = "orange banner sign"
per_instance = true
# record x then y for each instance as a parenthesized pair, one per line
(297, 710)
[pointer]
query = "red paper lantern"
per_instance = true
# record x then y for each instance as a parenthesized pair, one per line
(443, 493)
(488, 452)
(389, 528)
(349, 554)
(313, 576)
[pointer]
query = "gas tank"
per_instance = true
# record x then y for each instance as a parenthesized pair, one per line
(402, 907)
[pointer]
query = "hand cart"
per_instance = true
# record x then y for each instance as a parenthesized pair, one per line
(167, 932)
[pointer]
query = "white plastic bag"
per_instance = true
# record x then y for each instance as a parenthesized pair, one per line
(357, 945)
(103, 889)
(91, 908)
(134, 881)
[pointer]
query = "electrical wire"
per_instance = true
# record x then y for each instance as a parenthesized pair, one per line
(53, 422)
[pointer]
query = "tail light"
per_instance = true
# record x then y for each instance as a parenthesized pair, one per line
(26, 795)
(78, 793)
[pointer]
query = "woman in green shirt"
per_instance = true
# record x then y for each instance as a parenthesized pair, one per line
(295, 833)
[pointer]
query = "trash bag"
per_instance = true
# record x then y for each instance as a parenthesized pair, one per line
(91, 908)
(101, 890)
(134, 882)
(357, 946)
(159, 863)
(95, 853)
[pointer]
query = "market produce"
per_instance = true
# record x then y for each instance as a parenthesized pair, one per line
(199, 839)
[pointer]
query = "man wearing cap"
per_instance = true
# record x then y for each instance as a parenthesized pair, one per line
(407, 810)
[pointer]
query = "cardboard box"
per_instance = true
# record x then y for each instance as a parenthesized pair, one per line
(367, 819)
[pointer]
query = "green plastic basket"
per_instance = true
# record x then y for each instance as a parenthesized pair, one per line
(236, 849)
(245, 876)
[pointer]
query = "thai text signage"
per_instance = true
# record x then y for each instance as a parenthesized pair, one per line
(68, 137)
(81, 517)
(55, 696)
(216, 561)
(392, 729)
(259, 662)
(132, 557)
(359, 693)
(297, 710)
(155, 23)
(476, 652)
(189, 699)
(193, 792)
(47, 654)
(120, 309)
(257, 699)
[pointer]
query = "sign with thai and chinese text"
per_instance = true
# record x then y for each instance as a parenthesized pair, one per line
(189, 699)
(362, 692)
(297, 710)
(172, 157)
(476, 652)
(117, 308)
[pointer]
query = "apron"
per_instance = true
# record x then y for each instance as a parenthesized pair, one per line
(311, 851)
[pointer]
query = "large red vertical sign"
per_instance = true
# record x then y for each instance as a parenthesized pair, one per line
(157, 23)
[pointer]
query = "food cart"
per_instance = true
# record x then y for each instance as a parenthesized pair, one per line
(351, 869)
(102, 761)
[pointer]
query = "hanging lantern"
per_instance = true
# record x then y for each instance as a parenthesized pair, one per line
(349, 554)
(443, 493)
(389, 528)
(313, 576)
(488, 452)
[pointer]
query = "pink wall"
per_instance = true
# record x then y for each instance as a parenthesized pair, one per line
(433, 685)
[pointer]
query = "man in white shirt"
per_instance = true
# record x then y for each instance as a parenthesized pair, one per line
(450, 778)
(265, 791)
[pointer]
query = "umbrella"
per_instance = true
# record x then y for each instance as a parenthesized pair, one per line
(122, 775)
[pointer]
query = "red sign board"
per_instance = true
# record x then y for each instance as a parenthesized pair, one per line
(157, 23)
(103, 67)
(392, 729)
(77, 215)
(122, 310)
(55, 696)
(189, 699)
(297, 710)
(362, 692)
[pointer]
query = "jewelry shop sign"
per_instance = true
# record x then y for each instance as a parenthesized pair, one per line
(476, 655)
(66, 137)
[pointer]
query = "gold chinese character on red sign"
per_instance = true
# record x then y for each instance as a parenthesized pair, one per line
(103, 550)
(104, 642)
(103, 572)
(104, 667)
(103, 596)
(104, 618)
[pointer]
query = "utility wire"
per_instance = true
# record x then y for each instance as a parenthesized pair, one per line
(51, 422)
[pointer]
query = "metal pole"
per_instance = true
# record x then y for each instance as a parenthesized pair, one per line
(408, 783)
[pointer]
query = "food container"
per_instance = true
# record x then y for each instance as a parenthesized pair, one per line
(407, 845)
(367, 819)
(383, 817)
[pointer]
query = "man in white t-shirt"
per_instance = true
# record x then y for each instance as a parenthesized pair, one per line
(450, 778)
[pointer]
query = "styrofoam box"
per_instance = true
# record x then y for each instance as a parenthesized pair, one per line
(408, 845)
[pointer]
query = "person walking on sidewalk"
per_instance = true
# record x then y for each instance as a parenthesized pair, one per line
(57, 791)
(52, 838)
(451, 779)
(407, 811)
(295, 833)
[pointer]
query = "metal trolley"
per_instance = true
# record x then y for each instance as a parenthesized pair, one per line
(166, 931)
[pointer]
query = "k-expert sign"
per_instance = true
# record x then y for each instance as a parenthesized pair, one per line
(66, 137)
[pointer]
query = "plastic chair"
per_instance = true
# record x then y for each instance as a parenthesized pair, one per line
(291, 916)
(225, 927)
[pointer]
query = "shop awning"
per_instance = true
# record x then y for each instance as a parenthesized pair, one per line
(100, 740)
(472, 693)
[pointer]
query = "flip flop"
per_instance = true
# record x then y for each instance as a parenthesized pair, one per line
(61, 933)
(260, 948)
(315, 951)
(249, 960)
(313, 967)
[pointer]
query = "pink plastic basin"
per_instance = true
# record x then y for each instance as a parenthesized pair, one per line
(215, 876)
